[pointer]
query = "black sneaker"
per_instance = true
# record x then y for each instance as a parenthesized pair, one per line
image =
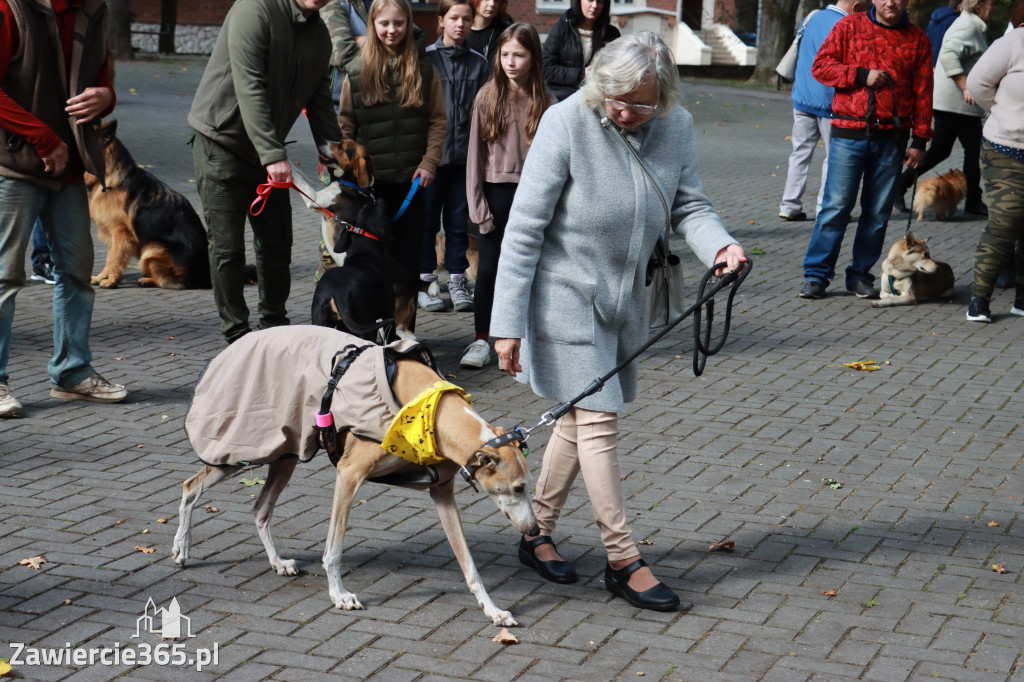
(979, 209)
(978, 310)
(813, 289)
(862, 289)
(1018, 305)
(43, 272)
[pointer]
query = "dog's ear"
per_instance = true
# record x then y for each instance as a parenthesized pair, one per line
(486, 459)
(343, 242)
(110, 129)
(360, 170)
(910, 238)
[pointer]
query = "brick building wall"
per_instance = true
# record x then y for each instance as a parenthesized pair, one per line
(190, 12)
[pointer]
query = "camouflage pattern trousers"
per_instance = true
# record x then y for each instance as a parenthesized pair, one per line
(1004, 190)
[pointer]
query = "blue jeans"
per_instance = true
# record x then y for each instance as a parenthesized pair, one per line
(40, 245)
(448, 195)
(877, 162)
(64, 215)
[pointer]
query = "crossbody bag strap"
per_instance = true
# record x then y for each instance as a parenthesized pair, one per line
(657, 188)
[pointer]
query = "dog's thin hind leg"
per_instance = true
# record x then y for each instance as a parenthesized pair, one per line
(444, 499)
(277, 478)
(207, 477)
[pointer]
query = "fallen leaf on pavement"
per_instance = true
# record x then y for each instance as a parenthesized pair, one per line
(724, 546)
(646, 542)
(362, 501)
(832, 483)
(505, 637)
(161, 520)
(119, 357)
(248, 482)
(830, 593)
(145, 530)
(211, 510)
(863, 365)
(991, 524)
(35, 561)
(999, 568)
(5, 668)
(146, 550)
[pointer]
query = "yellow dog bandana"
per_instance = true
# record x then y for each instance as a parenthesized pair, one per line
(411, 434)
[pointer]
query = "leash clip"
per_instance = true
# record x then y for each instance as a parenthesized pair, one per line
(469, 477)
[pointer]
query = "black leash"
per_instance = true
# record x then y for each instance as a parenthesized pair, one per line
(702, 348)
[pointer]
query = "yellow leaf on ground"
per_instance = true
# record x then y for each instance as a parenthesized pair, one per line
(999, 568)
(863, 365)
(146, 550)
(161, 520)
(830, 593)
(35, 561)
(726, 546)
(505, 637)
(991, 524)
(5, 668)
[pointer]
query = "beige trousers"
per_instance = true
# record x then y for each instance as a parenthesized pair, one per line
(585, 441)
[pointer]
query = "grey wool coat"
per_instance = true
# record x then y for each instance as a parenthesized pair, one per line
(582, 227)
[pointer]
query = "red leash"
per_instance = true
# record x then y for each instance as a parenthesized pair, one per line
(264, 190)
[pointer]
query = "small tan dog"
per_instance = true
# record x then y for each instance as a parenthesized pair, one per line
(943, 194)
(910, 275)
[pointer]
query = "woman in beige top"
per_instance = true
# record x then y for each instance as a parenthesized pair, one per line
(506, 113)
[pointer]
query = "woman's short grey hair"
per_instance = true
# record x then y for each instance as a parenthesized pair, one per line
(622, 65)
(971, 5)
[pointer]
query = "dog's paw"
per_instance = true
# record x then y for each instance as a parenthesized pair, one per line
(500, 617)
(347, 601)
(876, 304)
(108, 283)
(179, 557)
(286, 567)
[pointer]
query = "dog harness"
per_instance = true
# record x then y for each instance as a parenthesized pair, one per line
(411, 434)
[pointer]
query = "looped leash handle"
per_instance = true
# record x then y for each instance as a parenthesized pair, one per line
(263, 193)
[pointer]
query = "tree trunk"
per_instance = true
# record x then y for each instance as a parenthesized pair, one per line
(119, 38)
(168, 23)
(774, 36)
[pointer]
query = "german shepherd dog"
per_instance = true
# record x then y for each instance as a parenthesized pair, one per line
(139, 216)
(910, 275)
(943, 194)
(350, 162)
(358, 297)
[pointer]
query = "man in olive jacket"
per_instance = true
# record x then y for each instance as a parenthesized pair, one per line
(270, 62)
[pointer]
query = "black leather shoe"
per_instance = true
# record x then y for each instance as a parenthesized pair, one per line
(556, 571)
(658, 598)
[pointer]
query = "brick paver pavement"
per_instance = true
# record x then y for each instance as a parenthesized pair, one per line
(927, 449)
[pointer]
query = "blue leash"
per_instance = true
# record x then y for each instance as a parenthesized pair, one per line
(408, 200)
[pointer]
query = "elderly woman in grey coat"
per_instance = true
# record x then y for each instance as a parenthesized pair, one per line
(570, 301)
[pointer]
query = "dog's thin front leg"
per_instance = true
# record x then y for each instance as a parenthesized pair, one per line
(902, 299)
(207, 477)
(277, 478)
(345, 486)
(444, 499)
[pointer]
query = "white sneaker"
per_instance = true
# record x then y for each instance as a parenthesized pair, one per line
(477, 354)
(458, 290)
(431, 304)
(94, 389)
(9, 406)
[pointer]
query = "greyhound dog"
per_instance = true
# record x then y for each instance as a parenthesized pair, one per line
(253, 405)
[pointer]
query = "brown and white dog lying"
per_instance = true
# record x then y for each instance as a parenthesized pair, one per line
(910, 275)
(255, 405)
(350, 162)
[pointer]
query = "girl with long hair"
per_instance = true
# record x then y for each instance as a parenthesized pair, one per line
(506, 114)
(392, 103)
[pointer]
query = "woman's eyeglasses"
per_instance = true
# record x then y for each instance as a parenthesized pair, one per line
(641, 109)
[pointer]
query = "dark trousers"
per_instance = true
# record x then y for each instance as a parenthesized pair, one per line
(227, 187)
(447, 197)
(949, 128)
(499, 199)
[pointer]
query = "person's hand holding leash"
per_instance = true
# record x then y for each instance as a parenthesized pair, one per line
(913, 158)
(877, 79)
(732, 256)
(89, 104)
(280, 171)
(425, 176)
(507, 351)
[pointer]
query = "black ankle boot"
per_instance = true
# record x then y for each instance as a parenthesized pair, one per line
(561, 572)
(658, 598)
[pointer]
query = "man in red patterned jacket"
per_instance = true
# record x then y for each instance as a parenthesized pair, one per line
(880, 65)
